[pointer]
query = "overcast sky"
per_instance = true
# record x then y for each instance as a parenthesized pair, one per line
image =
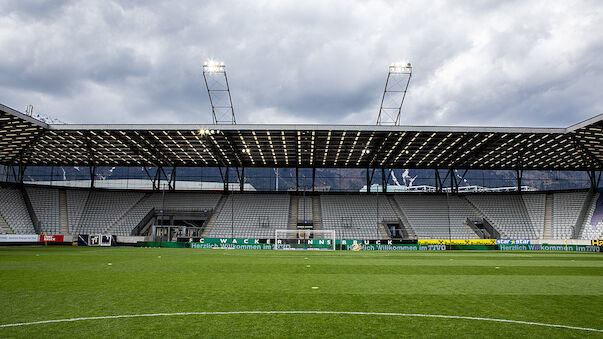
(515, 63)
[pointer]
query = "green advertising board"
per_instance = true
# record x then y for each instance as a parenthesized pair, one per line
(359, 245)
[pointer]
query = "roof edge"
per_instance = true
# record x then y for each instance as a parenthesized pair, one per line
(585, 123)
(24, 116)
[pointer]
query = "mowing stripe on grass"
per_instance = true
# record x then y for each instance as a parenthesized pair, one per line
(301, 312)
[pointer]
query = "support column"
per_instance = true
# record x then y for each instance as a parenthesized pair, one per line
(158, 178)
(383, 181)
(518, 175)
(242, 180)
(368, 181)
(226, 179)
(173, 178)
(296, 179)
(313, 177)
(438, 182)
(22, 169)
(454, 185)
(594, 179)
(92, 175)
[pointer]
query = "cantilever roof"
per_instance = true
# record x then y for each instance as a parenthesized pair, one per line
(27, 141)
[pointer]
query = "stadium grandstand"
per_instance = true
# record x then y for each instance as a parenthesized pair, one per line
(162, 207)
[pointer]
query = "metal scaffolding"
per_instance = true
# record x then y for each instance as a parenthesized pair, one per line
(394, 93)
(218, 90)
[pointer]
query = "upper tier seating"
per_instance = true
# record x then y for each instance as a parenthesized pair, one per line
(14, 211)
(428, 215)
(170, 202)
(355, 216)
(507, 213)
(304, 209)
(251, 216)
(535, 204)
(45, 203)
(76, 201)
(566, 209)
(103, 208)
(594, 227)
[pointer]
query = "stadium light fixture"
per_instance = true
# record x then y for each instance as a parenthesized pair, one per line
(212, 66)
(216, 82)
(396, 86)
(400, 67)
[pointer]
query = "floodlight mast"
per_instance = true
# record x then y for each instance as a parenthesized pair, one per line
(216, 82)
(394, 93)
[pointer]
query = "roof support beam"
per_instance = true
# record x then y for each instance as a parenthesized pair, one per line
(588, 158)
(519, 177)
(152, 147)
(388, 160)
(28, 148)
(143, 153)
(313, 177)
(595, 179)
(92, 169)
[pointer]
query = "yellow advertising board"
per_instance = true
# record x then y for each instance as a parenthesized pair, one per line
(457, 241)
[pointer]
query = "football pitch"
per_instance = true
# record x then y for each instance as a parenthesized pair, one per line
(163, 292)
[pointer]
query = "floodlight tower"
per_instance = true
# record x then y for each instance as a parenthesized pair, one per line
(396, 86)
(214, 73)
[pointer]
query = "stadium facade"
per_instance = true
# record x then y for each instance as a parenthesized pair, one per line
(228, 206)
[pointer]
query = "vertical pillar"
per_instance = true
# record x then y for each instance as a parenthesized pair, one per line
(384, 181)
(437, 180)
(454, 187)
(242, 180)
(368, 181)
(594, 179)
(22, 169)
(296, 179)
(518, 175)
(174, 178)
(226, 179)
(92, 175)
(158, 176)
(313, 178)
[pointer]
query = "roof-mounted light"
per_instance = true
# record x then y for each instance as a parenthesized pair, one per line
(212, 66)
(400, 67)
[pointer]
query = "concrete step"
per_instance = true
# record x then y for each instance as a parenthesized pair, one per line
(63, 212)
(548, 218)
(316, 212)
(293, 212)
(214, 216)
(4, 226)
(404, 221)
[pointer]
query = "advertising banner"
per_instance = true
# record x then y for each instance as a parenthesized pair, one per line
(547, 247)
(392, 247)
(513, 241)
(457, 242)
(237, 246)
(51, 238)
(19, 238)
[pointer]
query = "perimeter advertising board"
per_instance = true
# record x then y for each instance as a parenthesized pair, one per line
(51, 238)
(19, 238)
(457, 241)
(548, 247)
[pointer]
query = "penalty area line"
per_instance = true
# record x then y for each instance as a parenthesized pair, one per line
(418, 315)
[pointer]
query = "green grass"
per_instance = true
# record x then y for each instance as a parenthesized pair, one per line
(38, 283)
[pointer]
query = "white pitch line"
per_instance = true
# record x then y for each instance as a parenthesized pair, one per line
(302, 312)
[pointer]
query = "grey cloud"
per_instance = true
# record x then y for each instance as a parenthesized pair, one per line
(484, 62)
